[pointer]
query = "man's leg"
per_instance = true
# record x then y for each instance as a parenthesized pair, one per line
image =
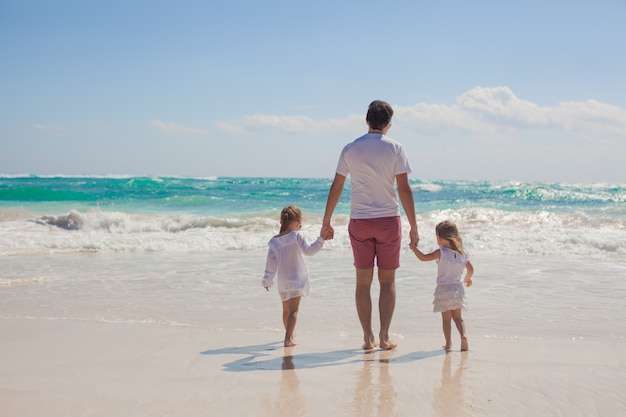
(386, 305)
(364, 305)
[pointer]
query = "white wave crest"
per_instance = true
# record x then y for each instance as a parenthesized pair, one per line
(484, 230)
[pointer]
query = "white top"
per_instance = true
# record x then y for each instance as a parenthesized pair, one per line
(451, 266)
(285, 257)
(373, 161)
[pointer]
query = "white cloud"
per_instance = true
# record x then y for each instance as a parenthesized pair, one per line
(258, 123)
(493, 113)
(438, 120)
(487, 133)
(502, 107)
(53, 129)
(229, 128)
(178, 129)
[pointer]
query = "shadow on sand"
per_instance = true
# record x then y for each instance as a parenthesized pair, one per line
(260, 358)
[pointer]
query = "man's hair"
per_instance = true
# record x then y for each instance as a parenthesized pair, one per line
(379, 114)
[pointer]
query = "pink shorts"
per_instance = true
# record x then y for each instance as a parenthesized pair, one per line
(376, 238)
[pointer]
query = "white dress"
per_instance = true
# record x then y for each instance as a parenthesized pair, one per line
(450, 293)
(285, 258)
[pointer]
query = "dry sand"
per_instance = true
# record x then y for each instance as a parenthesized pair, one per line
(74, 368)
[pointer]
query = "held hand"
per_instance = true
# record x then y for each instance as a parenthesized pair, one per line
(267, 288)
(416, 251)
(327, 232)
(468, 282)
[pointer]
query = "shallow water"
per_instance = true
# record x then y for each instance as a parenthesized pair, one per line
(528, 297)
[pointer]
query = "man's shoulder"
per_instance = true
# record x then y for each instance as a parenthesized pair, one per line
(357, 140)
(391, 141)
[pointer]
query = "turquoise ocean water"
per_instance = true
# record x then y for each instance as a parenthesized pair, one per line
(121, 214)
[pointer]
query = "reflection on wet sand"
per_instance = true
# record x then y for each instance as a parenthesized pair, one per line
(375, 397)
(449, 396)
(289, 401)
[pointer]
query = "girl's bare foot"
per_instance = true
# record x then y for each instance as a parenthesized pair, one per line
(447, 348)
(289, 343)
(464, 344)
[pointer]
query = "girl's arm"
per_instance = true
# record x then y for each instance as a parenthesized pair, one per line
(311, 249)
(468, 274)
(433, 256)
(271, 266)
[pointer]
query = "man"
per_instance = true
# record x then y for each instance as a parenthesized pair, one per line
(376, 164)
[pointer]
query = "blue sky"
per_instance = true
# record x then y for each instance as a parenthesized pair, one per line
(482, 90)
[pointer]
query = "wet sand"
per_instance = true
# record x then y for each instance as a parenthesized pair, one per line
(81, 368)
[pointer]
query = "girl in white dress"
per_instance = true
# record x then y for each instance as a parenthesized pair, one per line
(449, 294)
(285, 259)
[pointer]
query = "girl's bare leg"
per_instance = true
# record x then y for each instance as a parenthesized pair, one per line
(290, 317)
(446, 318)
(460, 325)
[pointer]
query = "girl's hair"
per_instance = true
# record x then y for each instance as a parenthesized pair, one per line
(288, 215)
(447, 230)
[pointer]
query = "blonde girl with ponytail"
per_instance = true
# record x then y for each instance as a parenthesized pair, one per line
(449, 296)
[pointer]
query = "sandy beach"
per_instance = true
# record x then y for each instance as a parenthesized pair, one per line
(68, 368)
(145, 335)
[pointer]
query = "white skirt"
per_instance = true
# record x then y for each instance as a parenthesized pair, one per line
(293, 290)
(449, 297)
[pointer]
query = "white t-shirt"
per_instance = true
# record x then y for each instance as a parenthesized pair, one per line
(450, 266)
(285, 257)
(373, 161)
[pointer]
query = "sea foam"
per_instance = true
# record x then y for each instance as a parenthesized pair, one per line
(484, 230)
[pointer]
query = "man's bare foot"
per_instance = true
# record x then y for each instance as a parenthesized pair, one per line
(447, 348)
(388, 345)
(464, 344)
(369, 344)
(368, 347)
(289, 343)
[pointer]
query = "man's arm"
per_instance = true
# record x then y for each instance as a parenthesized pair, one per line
(408, 204)
(331, 202)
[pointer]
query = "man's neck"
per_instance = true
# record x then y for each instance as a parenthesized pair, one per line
(382, 131)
